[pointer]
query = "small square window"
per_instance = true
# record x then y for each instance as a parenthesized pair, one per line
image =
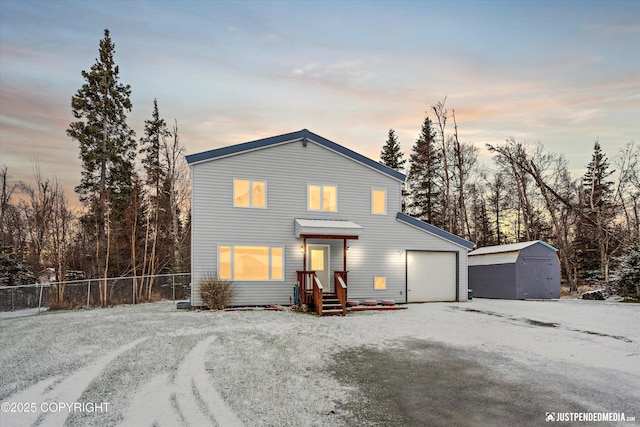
(380, 282)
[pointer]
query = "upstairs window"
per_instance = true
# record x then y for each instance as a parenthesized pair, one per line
(322, 198)
(378, 201)
(249, 194)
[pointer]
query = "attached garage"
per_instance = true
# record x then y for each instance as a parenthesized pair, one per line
(432, 276)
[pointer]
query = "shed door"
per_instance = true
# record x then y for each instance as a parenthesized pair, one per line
(431, 276)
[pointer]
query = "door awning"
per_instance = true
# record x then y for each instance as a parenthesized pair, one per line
(324, 227)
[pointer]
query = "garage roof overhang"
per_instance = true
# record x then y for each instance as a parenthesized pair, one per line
(323, 228)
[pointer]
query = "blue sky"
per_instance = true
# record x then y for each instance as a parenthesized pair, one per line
(560, 72)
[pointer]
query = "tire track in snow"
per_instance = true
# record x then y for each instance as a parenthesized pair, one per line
(152, 406)
(190, 400)
(68, 390)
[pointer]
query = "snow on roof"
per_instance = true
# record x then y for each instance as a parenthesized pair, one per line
(512, 247)
(326, 227)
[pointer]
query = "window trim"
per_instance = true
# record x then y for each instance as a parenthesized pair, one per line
(373, 190)
(251, 181)
(322, 186)
(270, 252)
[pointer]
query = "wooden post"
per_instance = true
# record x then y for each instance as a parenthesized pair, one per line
(344, 260)
(304, 253)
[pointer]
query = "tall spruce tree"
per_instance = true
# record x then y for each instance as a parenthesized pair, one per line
(391, 154)
(155, 131)
(593, 242)
(153, 146)
(107, 147)
(423, 181)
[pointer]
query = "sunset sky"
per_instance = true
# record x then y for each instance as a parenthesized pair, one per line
(560, 72)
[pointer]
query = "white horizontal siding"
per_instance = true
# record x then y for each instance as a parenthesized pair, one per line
(287, 169)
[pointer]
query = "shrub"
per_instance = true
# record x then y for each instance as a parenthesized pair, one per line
(628, 272)
(216, 293)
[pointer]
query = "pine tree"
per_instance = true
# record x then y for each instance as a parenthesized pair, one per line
(391, 154)
(593, 242)
(153, 143)
(107, 147)
(155, 131)
(423, 181)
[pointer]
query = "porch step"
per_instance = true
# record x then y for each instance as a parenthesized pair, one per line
(331, 305)
(332, 312)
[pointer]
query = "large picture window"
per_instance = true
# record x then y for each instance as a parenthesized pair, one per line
(249, 194)
(244, 263)
(322, 198)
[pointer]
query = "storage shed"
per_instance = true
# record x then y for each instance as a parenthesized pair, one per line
(527, 270)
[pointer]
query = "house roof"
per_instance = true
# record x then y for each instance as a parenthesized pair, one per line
(326, 227)
(434, 230)
(301, 135)
(512, 247)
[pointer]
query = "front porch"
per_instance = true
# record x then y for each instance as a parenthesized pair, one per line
(314, 280)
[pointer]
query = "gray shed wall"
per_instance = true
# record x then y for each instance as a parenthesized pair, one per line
(493, 281)
(538, 273)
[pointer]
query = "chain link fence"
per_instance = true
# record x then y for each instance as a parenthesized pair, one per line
(86, 293)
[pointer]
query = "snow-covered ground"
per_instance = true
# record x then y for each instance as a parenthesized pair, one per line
(153, 365)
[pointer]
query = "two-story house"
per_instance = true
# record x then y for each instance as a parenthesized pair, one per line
(297, 208)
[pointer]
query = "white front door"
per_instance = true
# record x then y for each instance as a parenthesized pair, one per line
(318, 261)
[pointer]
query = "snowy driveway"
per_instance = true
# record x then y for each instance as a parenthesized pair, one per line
(486, 362)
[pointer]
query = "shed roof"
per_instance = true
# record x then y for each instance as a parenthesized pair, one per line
(301, 135)
(434, 230)
(512, 247)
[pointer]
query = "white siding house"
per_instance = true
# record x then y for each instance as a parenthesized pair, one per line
(266, 209)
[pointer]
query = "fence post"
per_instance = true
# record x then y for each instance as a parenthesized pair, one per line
(88, 293)
(40, 301)
(12, 301)
(133, 289)
(173, 286)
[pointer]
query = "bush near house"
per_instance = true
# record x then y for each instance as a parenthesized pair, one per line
(216, 293)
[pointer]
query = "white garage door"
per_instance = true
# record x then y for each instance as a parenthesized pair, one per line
(431, 276)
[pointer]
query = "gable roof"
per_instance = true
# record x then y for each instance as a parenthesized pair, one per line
(511, 247)
(301, 135)
(435, 230)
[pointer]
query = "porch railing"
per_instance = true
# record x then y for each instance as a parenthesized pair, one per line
(305, 280)
(317, 295)
(341, 289)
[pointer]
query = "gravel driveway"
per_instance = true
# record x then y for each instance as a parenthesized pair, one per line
(485, 362)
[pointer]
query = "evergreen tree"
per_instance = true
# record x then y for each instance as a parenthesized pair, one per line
(593, 242)
(391, 154)
(155, 131)
(423, 181)
(107, 147)
(153, 145)
(13, 271)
